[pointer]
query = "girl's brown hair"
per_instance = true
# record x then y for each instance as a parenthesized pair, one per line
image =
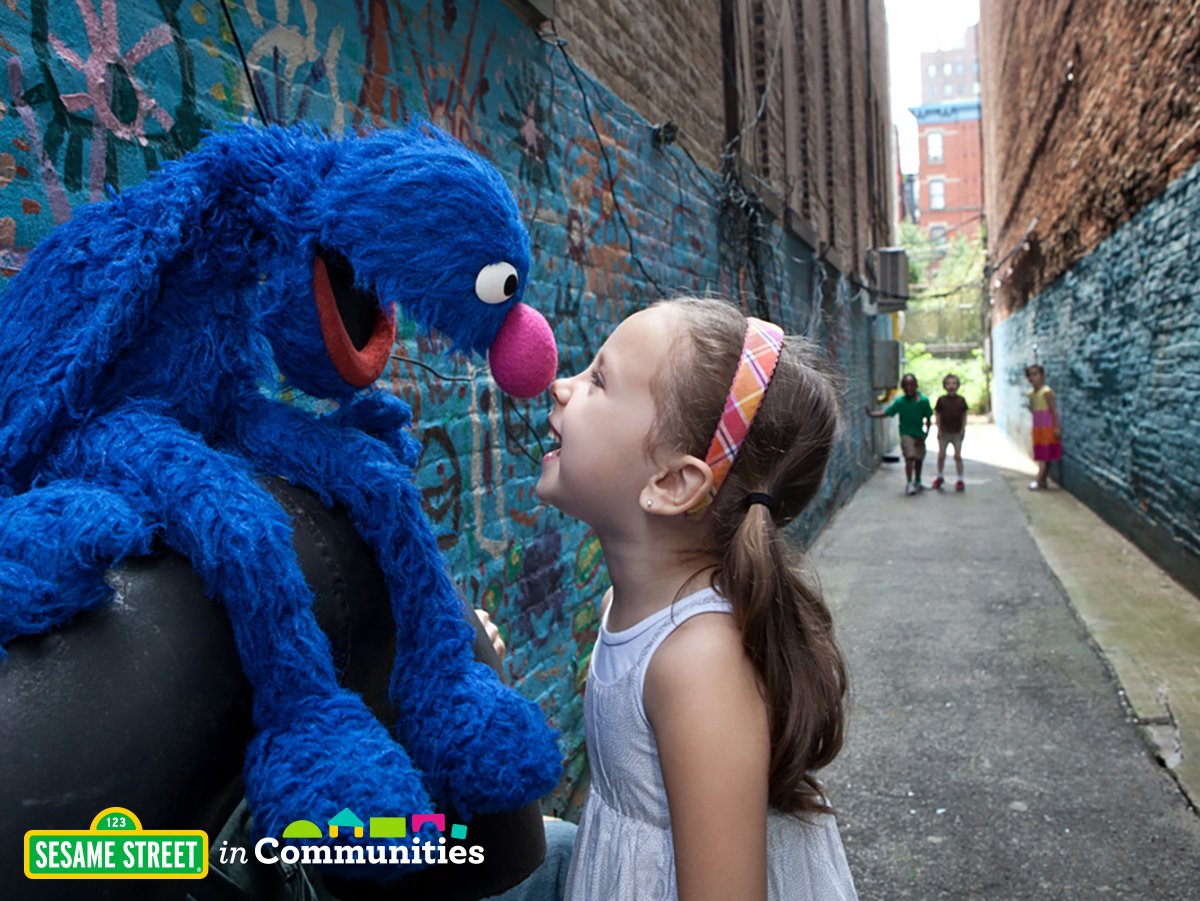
(786, 627)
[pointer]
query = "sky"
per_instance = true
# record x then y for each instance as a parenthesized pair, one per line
(916, 27)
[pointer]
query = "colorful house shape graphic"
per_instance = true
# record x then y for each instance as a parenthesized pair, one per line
(345, 820)
(302, 829)
(387, 827)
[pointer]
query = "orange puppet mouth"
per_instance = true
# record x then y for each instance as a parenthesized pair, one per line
(358, 333)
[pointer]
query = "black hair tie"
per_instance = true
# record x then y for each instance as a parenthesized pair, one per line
(759, 497)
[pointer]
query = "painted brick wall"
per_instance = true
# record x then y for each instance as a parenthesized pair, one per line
(811, 149)
(1119, 335)
(662, 57)
(98, 96)
(1090, 110)
(1091, 139)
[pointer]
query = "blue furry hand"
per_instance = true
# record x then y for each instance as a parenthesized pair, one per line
(383, 416)
(130, 411)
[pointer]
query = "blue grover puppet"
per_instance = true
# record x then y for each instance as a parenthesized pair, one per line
(134, 344)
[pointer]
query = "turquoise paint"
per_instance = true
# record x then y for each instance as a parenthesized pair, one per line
(1119, 336)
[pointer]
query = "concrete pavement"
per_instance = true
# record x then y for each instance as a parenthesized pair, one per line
(1145, 624)
(990, 752)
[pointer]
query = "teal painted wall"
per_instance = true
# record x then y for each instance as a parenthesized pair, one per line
(1119, 336)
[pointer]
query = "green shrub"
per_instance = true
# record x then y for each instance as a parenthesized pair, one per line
(930, 371)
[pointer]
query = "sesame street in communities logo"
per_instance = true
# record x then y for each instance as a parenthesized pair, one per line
(116, 847)
(424, 848)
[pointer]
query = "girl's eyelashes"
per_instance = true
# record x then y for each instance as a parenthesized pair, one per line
(597, 378)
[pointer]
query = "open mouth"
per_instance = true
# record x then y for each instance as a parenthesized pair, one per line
(556, 440)
(358, 333)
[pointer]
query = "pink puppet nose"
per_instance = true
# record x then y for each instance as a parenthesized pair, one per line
(524, 356)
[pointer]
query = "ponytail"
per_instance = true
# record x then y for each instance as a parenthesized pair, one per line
(787, 631)
(787, 634)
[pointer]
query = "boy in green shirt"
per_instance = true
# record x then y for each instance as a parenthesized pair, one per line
(915, 415)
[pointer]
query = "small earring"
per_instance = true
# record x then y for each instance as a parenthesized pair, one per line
(649, 503)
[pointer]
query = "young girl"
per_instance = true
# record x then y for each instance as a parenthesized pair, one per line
(716, 687)
(1047, 430)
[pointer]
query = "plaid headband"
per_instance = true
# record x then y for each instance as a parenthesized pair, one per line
(760, 353)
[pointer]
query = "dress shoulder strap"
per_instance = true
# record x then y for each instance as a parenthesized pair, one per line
(705, 601)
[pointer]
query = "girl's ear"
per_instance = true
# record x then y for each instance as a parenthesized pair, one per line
(677, 488)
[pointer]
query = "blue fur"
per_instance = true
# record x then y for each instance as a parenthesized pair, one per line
(132, 346)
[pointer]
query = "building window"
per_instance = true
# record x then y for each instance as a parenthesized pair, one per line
(976, 87)
(947, 69)
(977, 67)
(949, 90)
(932, 70)
(937, 235)
(937, 193)
(933, 146)
(959, 68)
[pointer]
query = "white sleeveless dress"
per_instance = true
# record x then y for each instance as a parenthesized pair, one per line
(623, 850)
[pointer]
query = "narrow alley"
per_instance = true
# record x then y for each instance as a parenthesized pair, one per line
(989, 752)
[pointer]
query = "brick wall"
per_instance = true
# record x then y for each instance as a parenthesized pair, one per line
(614, 221)
(661, 57)
(963, 74)
(1119, 335)
(1092, 139)
(811, 150)
(1090, 110)
(961, 172)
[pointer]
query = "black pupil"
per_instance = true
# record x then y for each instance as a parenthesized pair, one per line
(510, 286)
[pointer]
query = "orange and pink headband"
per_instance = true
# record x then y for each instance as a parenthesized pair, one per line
(760, 354)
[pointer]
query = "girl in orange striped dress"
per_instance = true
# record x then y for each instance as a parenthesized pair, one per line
(1047, 429)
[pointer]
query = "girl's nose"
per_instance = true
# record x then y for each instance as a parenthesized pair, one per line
(560, 390)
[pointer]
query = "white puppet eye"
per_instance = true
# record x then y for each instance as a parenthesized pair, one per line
(496, 283)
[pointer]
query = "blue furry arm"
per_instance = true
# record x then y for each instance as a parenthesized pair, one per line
(55, 543)
(383, 416)
(348, 465)
(461, 725)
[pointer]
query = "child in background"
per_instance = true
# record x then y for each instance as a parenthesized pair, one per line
(716, 688)
(950, 412)
(1047, 429)
(915, 413)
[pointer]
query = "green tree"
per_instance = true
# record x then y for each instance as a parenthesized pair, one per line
(920, 251)
(945, 291)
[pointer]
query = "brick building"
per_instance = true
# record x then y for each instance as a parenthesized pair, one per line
(950, 177)
(1092, 146)
(952, 74)
(950, 171)
(803, 105)
(654, 147)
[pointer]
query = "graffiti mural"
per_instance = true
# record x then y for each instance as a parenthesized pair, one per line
(100, 93)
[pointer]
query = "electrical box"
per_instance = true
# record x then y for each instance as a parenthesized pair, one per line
(891, 293)
(885, 365)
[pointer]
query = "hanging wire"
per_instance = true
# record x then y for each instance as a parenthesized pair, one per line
(428, 368)
(739, 200)
(712, 182)
(728, 190)
(237, 42)
(554, 40)
(514, 441)
(1017, 246)
(762, 101)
